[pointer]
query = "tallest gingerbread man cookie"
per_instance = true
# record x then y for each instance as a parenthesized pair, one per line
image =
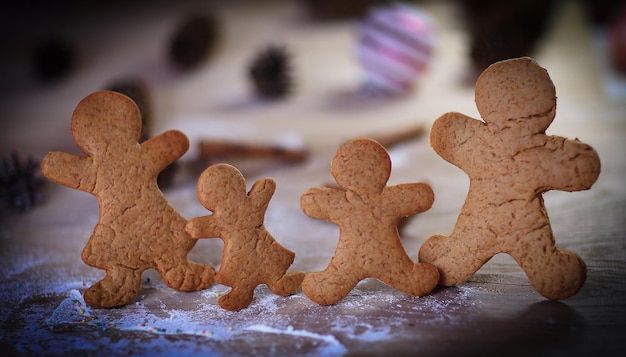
(511, 162)
(138, 229)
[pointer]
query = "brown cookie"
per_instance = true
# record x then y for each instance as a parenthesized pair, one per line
(138, 229)
(251, 255)
(367, 212)
(511, 162)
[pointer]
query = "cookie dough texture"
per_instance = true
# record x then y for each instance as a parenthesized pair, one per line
(511, 162)
(137, 228)
(251, 255)
(367, 212)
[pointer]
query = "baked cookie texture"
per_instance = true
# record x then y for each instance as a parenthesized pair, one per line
(511, 162)
(367, 212)
(251, 255)
(137, 229)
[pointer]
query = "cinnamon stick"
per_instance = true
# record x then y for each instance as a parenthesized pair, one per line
(216, 148)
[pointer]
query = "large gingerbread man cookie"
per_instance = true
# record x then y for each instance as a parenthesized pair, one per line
(511, 162)
(367, 213)
(138, 229)
(251, 255)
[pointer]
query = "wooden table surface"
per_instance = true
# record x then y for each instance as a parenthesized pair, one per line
(496, 312)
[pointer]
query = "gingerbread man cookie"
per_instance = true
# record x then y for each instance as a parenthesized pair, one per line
(510, 162)
(367, 213)
(251, 255)
(138, 229)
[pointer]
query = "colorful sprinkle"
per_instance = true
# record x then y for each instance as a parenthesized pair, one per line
(104, 326)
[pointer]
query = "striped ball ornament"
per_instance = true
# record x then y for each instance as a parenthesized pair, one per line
(395, 43)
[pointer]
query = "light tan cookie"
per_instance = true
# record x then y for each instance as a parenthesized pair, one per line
(511, 162)
(138, 229)
(367, 212)
(251, 255)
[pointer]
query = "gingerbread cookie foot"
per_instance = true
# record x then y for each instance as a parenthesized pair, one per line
(287, 284)
(237, 299)
(327, 287)
(556, 274)
(189, 277)
(114, 290)
(443, 253)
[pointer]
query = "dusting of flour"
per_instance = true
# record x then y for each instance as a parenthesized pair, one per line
(372, 313)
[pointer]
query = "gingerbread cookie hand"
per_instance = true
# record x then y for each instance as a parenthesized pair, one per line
(137, 228)
(251, 255)
(367, 213)
(510, 162)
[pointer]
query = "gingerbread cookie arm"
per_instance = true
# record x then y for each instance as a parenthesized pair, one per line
(463, 129)
(69, 170)
(315, 200)
(164, 149)
(578, 168)
(411, 198)
(261, 192)
(203, 227)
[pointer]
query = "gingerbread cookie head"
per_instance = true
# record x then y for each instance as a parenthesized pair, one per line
(361, 166)
(517, 90)
(221, 187)
(104, 118)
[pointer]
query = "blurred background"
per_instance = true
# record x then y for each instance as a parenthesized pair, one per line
(301, 73)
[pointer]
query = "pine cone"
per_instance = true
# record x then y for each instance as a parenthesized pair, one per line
(194, 41)
(53, 59)
(20, 183)
(270, 72)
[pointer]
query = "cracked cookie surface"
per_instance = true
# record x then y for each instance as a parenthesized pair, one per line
(367, 212)
(511, 162)
(137, 228)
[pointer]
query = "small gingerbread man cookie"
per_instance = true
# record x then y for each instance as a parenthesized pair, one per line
(138, 229)
(251, 255)
(367, 213)
(511, 162)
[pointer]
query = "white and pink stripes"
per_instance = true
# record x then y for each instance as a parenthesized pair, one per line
(394, 47)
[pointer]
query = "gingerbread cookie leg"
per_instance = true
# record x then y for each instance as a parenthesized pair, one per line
(329, 286)
(450, 256)
(555, 274)
(119, 287)
(239, 297)
(286, 284)
(187, 276)
(415, 280)
(120, 284)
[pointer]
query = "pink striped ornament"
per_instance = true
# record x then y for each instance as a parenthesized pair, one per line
(395, 44)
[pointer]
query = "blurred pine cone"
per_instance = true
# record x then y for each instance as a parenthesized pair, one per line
(20, 183)
(194, 41)
(270, 72)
